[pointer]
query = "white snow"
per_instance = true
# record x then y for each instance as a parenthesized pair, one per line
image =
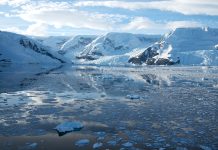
(191, 41)
(118, 43)
(69, 126)
(116, 48)
(75, 45)
(15, 48)
(192, 46)
(55, 42)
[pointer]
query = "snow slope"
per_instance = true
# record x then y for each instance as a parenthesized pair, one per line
(113, 48)
(187, 46)
(55, 42)
(191, 46)
(15, 48)
(72, 47)
(194, 46)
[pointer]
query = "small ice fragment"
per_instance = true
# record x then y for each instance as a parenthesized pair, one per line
(101, 134)
(100, 138)
(127, 144)
(97, 145)
(181, 148)
(112, 143)
(216, 46)
(32, 146)
(82, 142)
(65, 127)
(205, 147)
(133, 96)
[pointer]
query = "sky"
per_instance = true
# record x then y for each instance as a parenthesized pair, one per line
(79, 17)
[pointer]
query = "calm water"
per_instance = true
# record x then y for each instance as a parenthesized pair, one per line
(149, 107)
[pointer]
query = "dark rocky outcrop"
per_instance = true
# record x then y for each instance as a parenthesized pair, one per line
(30, 44)
(148, 57)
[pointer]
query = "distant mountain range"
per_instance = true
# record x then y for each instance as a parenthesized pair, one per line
(15, 48)
(185, 46)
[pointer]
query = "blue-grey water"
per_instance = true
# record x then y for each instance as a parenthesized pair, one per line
(120, 107)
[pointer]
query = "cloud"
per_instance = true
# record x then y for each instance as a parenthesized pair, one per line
(14, 3)
(63, 14)
(140, 24)
(44, 16)
(37, 29)
(34, 29)
(183, 24)
(13, 29)
(187, 7)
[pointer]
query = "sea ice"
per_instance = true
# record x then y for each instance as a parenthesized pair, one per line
(127, 144)
(97, 145)
(133, 96)
(82, 142)
(65, 127)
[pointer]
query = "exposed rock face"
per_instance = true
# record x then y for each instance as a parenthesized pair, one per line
(150, 57)
(164, 61)
(193, 46)
(145, 57)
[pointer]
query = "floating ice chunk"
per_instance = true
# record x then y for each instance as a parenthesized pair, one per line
(127, 144)
(97, 145)
(216, 46)
(101, 133)
(65, 127)
(100, 138)
(82, 142)
(112, 143)
(133, 96)
(31, 146)
(205, 147)
(181, 148)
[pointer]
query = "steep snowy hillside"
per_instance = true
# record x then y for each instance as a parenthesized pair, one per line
(115, 48)
(16, 48)
(188, 46)
(72, 47)
(55, 42)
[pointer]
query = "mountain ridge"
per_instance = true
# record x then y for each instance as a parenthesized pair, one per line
(185, 46)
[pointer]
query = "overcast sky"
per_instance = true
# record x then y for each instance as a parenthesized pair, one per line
(71, 17)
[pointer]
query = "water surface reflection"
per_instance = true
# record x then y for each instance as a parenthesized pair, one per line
(175, 106)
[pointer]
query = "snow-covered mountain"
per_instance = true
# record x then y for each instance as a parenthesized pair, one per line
(55, 42)
(75, 45)
(15, 48)
(188, 46)
(113, 48)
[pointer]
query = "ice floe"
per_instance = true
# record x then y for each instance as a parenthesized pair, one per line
(66, 127)
(97, 145)
(133, 96)
(82, 142)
